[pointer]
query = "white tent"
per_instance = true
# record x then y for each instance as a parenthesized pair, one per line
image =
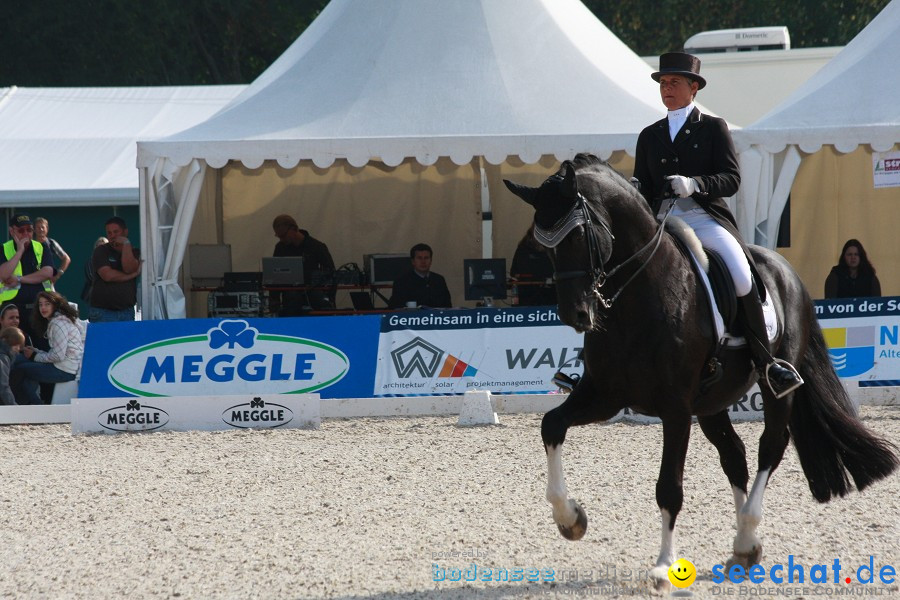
(852, 101)
(65, 146)
(446, 97)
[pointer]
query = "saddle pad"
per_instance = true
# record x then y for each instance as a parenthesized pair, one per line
(726, 338)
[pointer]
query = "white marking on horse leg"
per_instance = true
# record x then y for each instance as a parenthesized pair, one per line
(740, 498)
(750, 516)
(660, 572)
(667, 543)
(557, 494)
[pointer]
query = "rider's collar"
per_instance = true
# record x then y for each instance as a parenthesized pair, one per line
(550, 238)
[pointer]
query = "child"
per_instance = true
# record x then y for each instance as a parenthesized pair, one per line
(11, 341)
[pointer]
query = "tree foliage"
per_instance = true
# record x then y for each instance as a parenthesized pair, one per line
(652, 27)
(185, 42)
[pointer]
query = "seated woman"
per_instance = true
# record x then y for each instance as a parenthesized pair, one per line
(11, 341)
(853, 276)
(56, 320)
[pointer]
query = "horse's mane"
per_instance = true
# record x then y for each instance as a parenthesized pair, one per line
(607, 175)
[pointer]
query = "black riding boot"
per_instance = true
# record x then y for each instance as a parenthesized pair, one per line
(781, 376)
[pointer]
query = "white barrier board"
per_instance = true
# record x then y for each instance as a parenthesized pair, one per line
(192, 413)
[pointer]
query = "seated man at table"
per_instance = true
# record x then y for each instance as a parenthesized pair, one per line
(293, 241)
(420, 284)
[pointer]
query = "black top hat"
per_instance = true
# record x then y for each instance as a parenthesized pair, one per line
(679, 63)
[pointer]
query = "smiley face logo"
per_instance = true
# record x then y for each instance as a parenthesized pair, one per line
(682, 573)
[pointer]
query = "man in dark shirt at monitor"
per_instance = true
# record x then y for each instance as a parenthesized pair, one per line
(420, 284)
(293, 241)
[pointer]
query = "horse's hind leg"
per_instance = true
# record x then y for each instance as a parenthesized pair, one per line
(669, 490)
(732, 455)
(772, 444)
(579, 408)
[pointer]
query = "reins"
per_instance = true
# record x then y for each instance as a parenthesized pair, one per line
(598, 271)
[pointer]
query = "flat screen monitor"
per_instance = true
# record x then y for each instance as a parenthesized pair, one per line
(209, 263)
(383, 269)
(485, 278)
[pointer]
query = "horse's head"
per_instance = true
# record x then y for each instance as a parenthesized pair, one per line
(578, 240)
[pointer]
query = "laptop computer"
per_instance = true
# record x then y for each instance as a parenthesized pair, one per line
(361, 301)
(282, 271)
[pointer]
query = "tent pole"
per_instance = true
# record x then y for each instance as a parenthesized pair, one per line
(487, 218)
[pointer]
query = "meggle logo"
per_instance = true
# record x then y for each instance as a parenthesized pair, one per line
(133, 417)
(232, 358)
(257, 414)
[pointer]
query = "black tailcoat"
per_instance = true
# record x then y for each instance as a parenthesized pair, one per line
(702, 150)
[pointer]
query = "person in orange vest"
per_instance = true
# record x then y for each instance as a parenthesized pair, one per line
(24, 267)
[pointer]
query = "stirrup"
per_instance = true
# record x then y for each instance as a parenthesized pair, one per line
(786, 365)
(566, 382)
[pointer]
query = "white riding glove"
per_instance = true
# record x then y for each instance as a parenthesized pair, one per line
(683, 186)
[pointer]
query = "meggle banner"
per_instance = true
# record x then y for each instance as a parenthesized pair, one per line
(863, 337)
(333, 356)
(510, 350)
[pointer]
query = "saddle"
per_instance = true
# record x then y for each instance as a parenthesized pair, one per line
(718, 285)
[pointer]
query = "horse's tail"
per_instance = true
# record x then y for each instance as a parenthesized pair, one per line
(830, 440)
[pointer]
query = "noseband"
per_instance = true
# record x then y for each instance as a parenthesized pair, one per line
(581, 215)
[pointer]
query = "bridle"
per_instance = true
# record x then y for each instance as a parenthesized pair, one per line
(581, 215)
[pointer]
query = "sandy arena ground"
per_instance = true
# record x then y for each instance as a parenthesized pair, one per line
(366, 508)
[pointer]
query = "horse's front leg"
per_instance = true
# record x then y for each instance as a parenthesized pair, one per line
(580, 408)
(669, 491)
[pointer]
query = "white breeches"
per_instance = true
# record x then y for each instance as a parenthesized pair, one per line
(717, 238)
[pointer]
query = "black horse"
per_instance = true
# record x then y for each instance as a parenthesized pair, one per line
(631, 290)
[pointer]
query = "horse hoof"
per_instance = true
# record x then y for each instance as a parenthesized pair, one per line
(745, 559)
(579, 528)
(659, 577)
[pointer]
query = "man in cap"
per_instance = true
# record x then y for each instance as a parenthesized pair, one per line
(690, 156)
(293, 241)
(24, 267)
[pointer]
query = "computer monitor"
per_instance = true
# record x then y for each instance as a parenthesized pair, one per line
(208, 264)
(383, 269)
(485, 279)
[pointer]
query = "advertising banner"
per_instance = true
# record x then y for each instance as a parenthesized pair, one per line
(408, 353)
(195, 413)
(886, 169)
(863, 337)
(504, 351)
(332, 356)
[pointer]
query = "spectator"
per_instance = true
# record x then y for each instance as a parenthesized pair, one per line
(531, 266)
(41, 229)
(853, 276)
(24, 267)
(420, 284)
(56, 320)
(89, 273)
(9, 317)
(11, 341)
(293, 241)
(116, 266)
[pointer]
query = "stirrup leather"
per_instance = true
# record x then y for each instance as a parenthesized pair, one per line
(785, 364)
